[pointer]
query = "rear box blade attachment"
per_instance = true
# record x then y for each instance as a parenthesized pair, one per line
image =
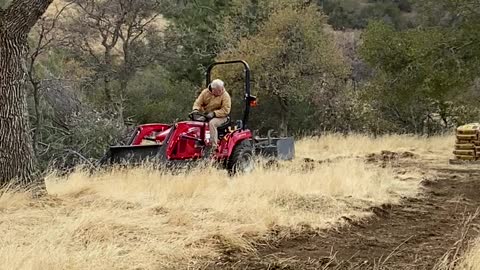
(278, 148)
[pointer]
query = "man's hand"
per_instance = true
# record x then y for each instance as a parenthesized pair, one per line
(210, 115)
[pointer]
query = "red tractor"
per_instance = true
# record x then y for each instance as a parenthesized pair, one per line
(185, 142)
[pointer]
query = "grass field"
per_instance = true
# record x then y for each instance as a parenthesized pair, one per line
(471, 260)
(465, 253)
(147, 219)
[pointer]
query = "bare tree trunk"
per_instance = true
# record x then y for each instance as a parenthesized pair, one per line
(120, 103)
(283, 117)
(44, 42)
(17, 158)
(283, 124)
(107, 77)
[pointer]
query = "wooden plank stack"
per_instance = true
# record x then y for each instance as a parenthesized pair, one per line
(467, 144)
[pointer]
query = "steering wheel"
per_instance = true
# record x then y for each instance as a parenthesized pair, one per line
(198, 116)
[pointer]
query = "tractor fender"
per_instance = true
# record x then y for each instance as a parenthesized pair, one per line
(236, 138)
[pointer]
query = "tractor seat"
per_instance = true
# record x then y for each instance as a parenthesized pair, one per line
(223, 129)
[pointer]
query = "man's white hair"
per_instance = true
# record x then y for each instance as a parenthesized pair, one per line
(218, 84)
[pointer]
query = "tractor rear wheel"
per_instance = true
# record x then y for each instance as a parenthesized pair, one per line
(241, 161)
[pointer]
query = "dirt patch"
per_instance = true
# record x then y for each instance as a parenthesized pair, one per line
(413, 235)
(383, 159)
(386, 156)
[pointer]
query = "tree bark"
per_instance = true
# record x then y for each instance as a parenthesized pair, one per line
(38, 116)
(17, 158)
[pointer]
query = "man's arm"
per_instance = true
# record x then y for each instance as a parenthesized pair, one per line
(197, 105)
(226, 106)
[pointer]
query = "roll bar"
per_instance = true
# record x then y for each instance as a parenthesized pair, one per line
(248, 97)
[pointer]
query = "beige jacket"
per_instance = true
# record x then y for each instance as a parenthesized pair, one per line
(207, 102)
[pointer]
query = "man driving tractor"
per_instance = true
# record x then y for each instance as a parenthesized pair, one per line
(216, 103)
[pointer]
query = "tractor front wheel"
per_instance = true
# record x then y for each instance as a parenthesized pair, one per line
(241, 161)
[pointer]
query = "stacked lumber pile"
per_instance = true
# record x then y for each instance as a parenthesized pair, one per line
(467, 144)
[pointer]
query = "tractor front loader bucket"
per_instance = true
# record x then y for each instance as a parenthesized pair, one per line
(137, 154)
(277, 148)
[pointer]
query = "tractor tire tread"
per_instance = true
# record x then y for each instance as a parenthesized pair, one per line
(238, 151)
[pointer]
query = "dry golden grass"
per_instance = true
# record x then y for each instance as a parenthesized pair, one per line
(471, 260)
(464, 254)
(147, 219)
(335, 145)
